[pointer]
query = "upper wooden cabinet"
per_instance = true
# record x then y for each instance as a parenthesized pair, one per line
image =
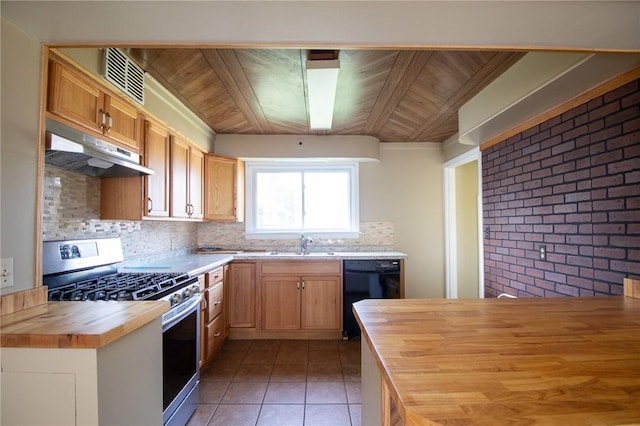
(156, 157)
(137, 198)
(224, 189)
(187, 171)
(81, 101)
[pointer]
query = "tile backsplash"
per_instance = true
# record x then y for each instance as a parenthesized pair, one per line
(71, 210)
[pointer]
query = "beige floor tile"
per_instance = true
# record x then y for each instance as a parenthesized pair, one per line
(351, 372)
(264, 346)
(285, 393)
(236, 346)
(202, 415)
(289, 345)
(355, 411)
(326, 393)
(236, 415)
(281, 415)
(354, 394)
(327, 415)
(245, 393)
(260, 357)
(218, 373)
(292, 356)
(253, 373)
(326, 372)
(289, 373)
(323, 345)
(324, 356)
(211, 392)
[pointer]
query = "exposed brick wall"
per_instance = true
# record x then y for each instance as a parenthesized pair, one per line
(571, 184)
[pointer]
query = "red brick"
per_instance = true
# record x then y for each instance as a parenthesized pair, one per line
(604, 110)
(621, 92)
(610, 252)
(567, 290)
(608, 204)
(580, 282)
(607, 181)
(624, 191)
(605, 134)
(576, 153)
(579, 261)
(625, 216)
(622, 116)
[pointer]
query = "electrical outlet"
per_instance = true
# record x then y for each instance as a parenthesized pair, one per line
(6, 272)
(543, 252)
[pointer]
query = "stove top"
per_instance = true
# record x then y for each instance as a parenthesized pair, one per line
(119, 286)
(78, 270)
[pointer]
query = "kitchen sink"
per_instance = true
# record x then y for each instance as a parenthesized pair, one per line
(297, 253)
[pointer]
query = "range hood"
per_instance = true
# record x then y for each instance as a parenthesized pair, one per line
(71, 150)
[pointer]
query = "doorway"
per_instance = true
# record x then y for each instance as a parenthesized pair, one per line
(463, 226)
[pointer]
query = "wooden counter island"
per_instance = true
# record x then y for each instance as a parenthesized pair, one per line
(559, 361)
(84, 363)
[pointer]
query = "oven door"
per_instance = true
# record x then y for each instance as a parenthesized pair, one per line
(180, 363)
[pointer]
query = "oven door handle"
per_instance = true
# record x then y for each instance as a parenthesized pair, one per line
(187, 308)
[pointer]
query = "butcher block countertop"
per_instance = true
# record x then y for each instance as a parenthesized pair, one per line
(77, 325)
(520, 361)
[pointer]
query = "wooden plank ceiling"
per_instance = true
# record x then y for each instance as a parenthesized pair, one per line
(394, 95)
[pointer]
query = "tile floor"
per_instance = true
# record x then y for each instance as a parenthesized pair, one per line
(282, 383)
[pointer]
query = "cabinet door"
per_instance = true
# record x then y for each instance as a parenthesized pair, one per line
(280, 303)
(74, 98)
(179, 177)
(242, 295)
(157, 159)
(122, 122)
(224, 188)
(321, 303)
(196, 183)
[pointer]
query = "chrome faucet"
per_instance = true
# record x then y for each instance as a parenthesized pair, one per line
(304, 241)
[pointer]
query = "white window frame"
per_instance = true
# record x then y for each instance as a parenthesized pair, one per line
(254, 167)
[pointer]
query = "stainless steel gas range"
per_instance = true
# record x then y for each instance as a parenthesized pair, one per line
(78, 270)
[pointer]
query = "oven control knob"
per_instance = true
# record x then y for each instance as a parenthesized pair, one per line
(187, 293)
(175, 299)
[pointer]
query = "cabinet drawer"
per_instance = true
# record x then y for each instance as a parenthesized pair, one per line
(214, 336)
(215, 276)
(213, 297)
(301, 267)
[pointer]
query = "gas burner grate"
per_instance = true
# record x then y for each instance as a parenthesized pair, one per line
(120, 286)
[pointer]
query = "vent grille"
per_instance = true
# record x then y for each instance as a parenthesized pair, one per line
(124, 74)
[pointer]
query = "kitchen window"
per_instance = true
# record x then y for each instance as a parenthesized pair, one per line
(286, 198)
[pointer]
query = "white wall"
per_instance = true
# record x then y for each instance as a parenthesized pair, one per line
(20, 90)
(467, 230)
(405, 188)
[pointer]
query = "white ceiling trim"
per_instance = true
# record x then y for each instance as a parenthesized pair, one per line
(573, 25)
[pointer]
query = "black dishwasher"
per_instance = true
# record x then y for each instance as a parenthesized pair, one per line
(366, 279)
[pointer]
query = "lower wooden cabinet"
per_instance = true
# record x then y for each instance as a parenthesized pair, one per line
(212, 318)
(242, 295)
(214, 338)
(301, 295)
(301, 303)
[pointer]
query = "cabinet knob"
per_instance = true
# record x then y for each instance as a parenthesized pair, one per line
(149, 205)
(217, 302)
(216, 334)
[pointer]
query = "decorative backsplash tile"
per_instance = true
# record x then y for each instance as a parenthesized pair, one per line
(374, 236)
(71, 210)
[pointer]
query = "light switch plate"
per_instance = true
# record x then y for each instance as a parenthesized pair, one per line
(6, 272)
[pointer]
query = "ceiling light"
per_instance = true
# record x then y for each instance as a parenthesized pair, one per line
(322, 81)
